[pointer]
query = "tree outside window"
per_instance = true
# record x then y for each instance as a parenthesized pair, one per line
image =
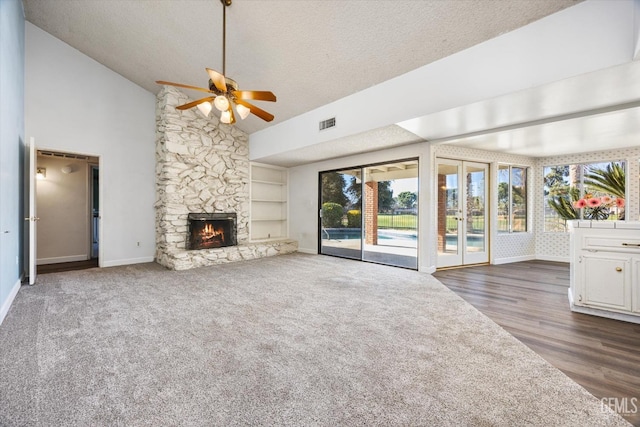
(512, 199)
(594, 191)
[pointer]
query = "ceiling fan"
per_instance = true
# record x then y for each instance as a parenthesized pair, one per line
(224, 91)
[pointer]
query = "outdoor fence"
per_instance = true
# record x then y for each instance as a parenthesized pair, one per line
(404, 219)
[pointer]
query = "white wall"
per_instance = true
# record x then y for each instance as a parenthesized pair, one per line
(636, 54)
(586, 37)
(63, 208)
(11, 149)
(74, 104)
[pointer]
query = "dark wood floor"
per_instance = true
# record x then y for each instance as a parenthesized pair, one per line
(529, 300)
(67, 266)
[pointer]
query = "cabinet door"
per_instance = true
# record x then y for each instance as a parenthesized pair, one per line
(635, 285)
(606, 281)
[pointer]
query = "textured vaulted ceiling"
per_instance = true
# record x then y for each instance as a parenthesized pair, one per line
(309, 53)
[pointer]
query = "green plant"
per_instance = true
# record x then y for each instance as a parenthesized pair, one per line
(610, 180)
(354, 218)
(563, 204)
(332, 215)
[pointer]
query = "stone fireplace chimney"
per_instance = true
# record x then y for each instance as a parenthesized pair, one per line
(202, 166)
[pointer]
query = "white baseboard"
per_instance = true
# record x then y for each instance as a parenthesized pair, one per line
(59, 259)
(553, 258)
(128, 261)
(509, 260)
(308, 251)
(625, 317)
(429, 270)
(7, 303)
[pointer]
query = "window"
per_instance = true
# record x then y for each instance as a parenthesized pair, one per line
(512, 199)
(594, 191)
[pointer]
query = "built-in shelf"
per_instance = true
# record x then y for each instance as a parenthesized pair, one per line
(258, 181)
(269, 199)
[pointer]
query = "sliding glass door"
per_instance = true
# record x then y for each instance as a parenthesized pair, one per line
(370, 213)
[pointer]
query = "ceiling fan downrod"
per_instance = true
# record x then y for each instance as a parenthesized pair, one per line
(225, 3)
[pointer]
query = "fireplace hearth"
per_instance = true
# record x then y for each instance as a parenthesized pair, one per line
(211, 230)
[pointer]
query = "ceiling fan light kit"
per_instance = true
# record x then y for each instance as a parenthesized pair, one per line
(221, 102)
(205, 108)
(243, 111)
(224, 90)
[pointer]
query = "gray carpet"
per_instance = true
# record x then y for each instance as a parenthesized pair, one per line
(290, 340)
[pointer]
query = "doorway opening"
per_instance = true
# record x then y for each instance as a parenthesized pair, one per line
(462, 213)
(68, 211)
(370, 213)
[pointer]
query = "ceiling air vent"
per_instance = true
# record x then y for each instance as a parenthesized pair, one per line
(327, 124)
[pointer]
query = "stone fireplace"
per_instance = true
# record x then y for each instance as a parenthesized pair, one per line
(209, 231)
(202, 166)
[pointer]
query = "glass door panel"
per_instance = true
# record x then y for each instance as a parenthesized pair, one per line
(340, 204)
(449, 213)
(476, 218)
(390, 206)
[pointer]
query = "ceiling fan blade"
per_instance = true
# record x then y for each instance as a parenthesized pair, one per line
(201, 89)
(258, 95)
(255, 110)
(217, 79)
(194, 103)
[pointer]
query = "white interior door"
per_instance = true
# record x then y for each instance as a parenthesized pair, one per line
(32, 218)
(462, 212)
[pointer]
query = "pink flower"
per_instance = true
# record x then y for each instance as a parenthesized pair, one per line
(579, 204)
(593, 202)
(620, 203)
(606, 200)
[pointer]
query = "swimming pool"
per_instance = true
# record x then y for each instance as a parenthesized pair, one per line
(476, 241)
(356, 233)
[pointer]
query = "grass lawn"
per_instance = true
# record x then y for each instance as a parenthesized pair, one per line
(398, 221)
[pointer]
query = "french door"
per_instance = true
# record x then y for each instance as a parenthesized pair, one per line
(462, 216)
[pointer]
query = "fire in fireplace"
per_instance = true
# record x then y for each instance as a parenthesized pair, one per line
(211, 230)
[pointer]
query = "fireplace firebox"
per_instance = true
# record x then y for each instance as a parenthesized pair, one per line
(211, 230)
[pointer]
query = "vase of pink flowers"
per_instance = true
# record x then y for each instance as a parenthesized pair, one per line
(598, 208)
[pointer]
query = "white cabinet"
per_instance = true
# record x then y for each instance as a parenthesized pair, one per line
(269, 193)
(605, 269)
(606, 281)
(635, 297)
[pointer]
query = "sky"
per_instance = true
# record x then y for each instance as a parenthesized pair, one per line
(400, 185)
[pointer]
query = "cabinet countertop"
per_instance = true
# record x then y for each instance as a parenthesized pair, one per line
(622, 225)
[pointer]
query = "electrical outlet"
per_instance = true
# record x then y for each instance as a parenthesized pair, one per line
(138, 243)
